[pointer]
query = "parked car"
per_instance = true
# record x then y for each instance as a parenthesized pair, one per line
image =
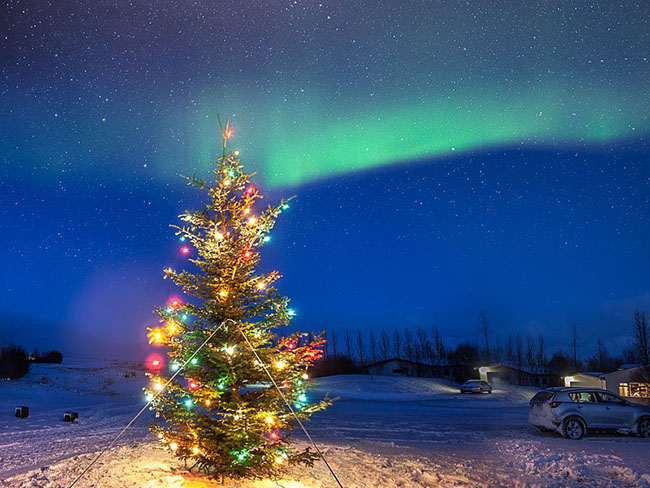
(575, 411)
(476, 386)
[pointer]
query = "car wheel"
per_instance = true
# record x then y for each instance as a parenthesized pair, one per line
(643, 427)
(489, 391)
(542, 429)
(573, 428)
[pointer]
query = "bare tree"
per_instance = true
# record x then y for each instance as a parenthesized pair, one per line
(510, 350)
(602, 357)
(332, 343)
(397, 343)
(409, 347)
(384, 345)
(424, 346)
(519, 355)
(530, 351)
(373, 347)
(360, 346)
(641, 337)
(573, 346)
(485, 331)
(541, 351)
(437, 343)
(348, 344)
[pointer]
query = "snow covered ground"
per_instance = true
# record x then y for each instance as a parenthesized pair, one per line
(383, 432)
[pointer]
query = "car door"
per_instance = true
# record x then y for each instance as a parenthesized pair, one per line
(617, 413)
(587, 406)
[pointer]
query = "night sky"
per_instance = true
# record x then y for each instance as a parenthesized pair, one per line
(448, 157)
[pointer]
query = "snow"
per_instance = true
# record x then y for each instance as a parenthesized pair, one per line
(382, 432)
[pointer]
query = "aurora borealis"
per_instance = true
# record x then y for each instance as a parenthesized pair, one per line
(104, 104)
(315, 89)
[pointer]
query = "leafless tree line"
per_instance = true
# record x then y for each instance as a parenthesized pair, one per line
(525, 352)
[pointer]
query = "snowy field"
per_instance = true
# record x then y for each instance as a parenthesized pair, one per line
(383, 432)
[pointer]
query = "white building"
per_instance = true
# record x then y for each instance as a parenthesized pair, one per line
(624, 382)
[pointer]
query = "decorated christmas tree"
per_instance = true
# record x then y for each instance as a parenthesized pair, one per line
(221, 412)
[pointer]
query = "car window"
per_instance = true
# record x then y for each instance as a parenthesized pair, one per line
(583, 397)
(542, 396)
(609, 398)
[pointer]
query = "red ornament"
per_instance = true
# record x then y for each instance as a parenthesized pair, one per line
(154, 362)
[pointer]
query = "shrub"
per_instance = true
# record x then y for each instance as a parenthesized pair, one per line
(14, 362)
(336, 364)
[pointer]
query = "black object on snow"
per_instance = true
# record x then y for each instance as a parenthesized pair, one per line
(70, 416)
(22, 412)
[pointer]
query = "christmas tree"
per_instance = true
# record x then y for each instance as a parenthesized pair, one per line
(221, 412)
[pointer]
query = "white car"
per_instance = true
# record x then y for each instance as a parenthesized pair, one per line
(574, 411)
(476, 386)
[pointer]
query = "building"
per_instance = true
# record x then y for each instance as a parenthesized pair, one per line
(399, 367)
(630, 381)
(504, 374)
(403, 367)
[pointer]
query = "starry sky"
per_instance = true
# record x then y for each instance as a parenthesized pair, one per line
(448, 157)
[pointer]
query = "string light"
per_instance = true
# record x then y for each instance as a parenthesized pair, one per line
(250, 189)
(227, 134)
(173, 446)
(285, 206)
(188, 403)
(280, 364)
(291, 312)
(148, 396)
(192, 385)
(195, 450)
(247, 211)
(207, 402)
(236, 153)
(223, 293)
(230, 350)
(266, 238)
(218, 235)
(194, 361)
(174, 366)
(226, 182)
(261, 285)
(181, 238)
(305, 376)
(273, 435)
(157, 385)
(302, 397)
(269, 420)
(185, 250)
(252, 221)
